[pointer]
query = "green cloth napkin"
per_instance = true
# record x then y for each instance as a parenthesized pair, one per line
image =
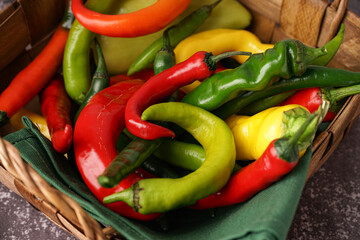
(267, 215)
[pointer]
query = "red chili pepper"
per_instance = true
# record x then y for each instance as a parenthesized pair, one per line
(311, 98)
(199, 66)
(280, 157)
(55, 107)
(97, 129)
(37, 74)
(145, 21)
(145, 75)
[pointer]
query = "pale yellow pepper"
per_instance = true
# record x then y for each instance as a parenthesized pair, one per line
(253, 134)
(119, 53)
(36, 118)
(218, 41)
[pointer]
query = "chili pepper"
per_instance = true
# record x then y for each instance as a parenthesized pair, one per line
(252, 134)
(288, 58)
(182, 154)
(332, 47)
(198, 66)
(145, 21)
(311, 98)
(165, 57)
(178, 32)
(36, 118)
(278, 159)
(56, 107)
(96, 131)
(315, 76)
(30, 80)
(100, 79)
(76, 63)
(160, 194)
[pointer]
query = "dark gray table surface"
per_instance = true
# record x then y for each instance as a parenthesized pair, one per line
(329, 207)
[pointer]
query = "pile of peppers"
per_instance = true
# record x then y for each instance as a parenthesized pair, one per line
(197, 118)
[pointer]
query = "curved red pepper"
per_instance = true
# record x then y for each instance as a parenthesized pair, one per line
(34, 76)
(145, 21)
(311, 98)
(158, 88)
(96, 132)
(56, 107)
(249, 180)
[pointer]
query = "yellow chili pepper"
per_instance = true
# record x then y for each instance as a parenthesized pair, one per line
(119, 53)
(252, 134)
(36, 118)
(218, 41)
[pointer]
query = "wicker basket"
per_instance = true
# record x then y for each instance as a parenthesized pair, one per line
(29, 24)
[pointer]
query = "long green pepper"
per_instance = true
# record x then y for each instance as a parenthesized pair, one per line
(164, 194)
(76, 62)
(315, 76)
(286, 59)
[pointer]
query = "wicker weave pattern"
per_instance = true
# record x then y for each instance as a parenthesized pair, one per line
(312, 21)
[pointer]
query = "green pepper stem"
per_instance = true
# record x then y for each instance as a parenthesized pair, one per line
(221, 56)
(337, 94)
(294, 138)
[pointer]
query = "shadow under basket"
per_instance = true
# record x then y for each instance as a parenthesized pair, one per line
(27, 25)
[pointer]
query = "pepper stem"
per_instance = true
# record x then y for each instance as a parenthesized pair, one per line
(337, 94)
(229, 54)
(213, 5)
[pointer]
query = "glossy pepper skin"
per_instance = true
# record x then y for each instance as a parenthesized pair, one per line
(177, 33)
(315, 76)
(160, 195)
(286, 59)
(96, 132)
(311, 98)
(29, 81)
(56, 108)
(252, 134)
(279, 158)
(145, 21)
(199, 66)
(76, 63)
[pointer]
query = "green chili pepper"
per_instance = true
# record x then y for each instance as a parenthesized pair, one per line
(165, 57)
(183, 29)
(183, 154)
(76, 63)
(164, 194)
(331, 48)
(315, 76)
(100, 79)
(287, 58)
(131, 157)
